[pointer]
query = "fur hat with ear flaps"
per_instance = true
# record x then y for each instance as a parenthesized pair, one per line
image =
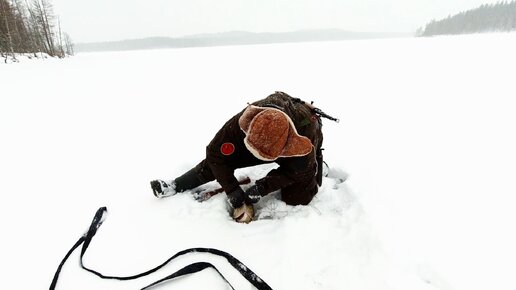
(270, 134)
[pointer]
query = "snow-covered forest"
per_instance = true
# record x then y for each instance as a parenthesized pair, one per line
(486, 18)
(31, 29)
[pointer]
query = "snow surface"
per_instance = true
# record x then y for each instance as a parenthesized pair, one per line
(426, 136)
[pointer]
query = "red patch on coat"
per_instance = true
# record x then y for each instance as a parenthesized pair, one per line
(227, 148)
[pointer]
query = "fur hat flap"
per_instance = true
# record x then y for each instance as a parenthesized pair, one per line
(270, 133)
(248, 115)
(297, 145)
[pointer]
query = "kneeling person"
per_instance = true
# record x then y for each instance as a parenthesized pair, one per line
(277, 129)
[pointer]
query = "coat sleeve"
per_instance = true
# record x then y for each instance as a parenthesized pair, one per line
(222, 166)
(223, 173)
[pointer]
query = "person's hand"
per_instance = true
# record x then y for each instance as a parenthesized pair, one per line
(253, 194)
(236, 197)
(244, 214)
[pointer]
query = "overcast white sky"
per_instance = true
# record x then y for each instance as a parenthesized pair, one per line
(104, 20)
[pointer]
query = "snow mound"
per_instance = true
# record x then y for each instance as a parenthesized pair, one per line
(324, 245)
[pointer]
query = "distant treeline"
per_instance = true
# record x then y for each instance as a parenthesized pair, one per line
(31, 28)
(486, 18)
(233, 38)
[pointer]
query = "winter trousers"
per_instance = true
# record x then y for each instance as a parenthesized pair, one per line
(299, 193)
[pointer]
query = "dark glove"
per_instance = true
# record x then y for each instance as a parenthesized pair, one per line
(253, 194)
(243, 211)
(237, 197)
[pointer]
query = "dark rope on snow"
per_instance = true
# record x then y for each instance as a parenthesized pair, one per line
(99, 217)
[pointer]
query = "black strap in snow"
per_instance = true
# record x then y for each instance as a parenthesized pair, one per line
(99, 217)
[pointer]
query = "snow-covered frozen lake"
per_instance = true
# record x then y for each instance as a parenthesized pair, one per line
(426, 136)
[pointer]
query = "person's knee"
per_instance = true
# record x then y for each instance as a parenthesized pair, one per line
(298, 195)
(187, 181)
(194, 177)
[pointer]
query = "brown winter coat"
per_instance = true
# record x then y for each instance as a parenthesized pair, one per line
(297, 177)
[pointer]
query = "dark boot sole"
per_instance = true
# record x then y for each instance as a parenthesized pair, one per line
(156, 188)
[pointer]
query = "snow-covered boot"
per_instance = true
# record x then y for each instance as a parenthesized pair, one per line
(162, 188)
(187, 181)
